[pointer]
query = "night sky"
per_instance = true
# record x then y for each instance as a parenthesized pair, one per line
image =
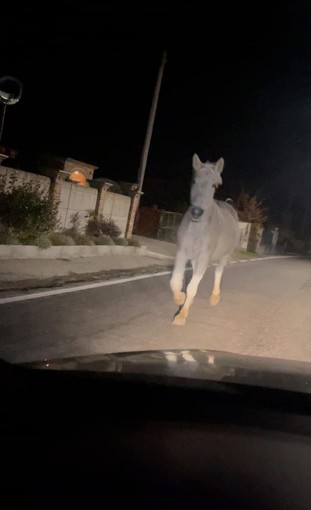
(237, 84)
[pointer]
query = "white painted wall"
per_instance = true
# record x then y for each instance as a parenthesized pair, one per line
(245, 229)
(116, 207)
(75, 198)
(9, 176)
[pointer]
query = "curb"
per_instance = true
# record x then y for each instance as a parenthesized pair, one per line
(59, 281)
(268, 257)
(20, 252)
(103, 275)
(156, 255)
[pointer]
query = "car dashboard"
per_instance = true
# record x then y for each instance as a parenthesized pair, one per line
(79, 439)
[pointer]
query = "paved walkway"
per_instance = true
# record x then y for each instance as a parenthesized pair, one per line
(36, 273)
(31, 273)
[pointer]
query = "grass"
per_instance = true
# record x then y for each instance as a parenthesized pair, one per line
(120, 241)
(133, 242)
(244, 255)
(59, 239)
(103, 241)
(42, 241)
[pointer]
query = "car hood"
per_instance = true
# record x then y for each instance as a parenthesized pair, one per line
(192, 364)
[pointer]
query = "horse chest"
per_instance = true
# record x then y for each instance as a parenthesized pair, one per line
(197, 243)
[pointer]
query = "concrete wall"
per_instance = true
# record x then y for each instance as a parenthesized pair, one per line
(245, 229)
(116, 207)
(75, 199)
(9, 176)
(72, 197)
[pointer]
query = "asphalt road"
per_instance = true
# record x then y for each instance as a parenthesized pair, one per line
(265, 310)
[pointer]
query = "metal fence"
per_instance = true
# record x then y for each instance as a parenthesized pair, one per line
(169, 223)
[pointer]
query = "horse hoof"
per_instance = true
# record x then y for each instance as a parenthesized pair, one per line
(179, 321)
(179, 298)
(214, 300)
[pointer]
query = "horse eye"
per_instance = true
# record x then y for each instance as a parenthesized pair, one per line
(215, 186)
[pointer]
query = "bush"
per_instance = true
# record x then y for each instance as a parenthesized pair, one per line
(59, 239)
(251, 209)
(103, 241)
(74, 230)
(134, 242)
(4, 234)
(99, 226)
(42, 242)
(7, 238)
(26, 211)
(120, 241)
(71, 233)
(12, 240)
(75, 222)
(83, 240)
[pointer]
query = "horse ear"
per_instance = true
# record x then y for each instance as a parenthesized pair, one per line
(196, 163)
(219, 166)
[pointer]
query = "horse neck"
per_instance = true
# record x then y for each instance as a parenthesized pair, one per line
(211, 208)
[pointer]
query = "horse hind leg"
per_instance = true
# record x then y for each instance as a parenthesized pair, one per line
(215, 296)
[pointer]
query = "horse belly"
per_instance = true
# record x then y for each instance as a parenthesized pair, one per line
(224, 245)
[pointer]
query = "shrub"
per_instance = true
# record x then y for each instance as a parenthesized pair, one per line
(74, 230)
(59, 239)
(120, 241)
(103, 241)
(75, 221)
(251, 209)
(42, 242)
(6, 237)
(84, 240)
(12, 240)
(26, 211)
(134, 242)
(4, 234)
(70, 232)
(99, 226)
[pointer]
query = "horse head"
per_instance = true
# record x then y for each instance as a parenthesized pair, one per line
(206, 178)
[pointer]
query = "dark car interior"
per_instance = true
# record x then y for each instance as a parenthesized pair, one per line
(72, 439)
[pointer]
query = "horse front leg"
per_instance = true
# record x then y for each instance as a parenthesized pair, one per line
(198, 273)
(215, 297)
(177, 279)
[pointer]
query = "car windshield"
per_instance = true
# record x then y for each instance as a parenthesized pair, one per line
(155, 184)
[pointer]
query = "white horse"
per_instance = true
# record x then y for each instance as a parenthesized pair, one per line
(209, 232)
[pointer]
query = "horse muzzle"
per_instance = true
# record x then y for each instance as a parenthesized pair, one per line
(196, 213)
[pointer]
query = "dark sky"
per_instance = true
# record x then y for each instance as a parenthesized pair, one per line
(237, 84)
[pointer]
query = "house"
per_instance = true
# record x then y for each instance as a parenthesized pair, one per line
(71, 185)
(70, 169)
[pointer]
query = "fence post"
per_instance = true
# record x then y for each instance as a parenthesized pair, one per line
(102, 189)
(135, 199)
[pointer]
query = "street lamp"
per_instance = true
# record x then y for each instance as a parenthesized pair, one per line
(11, 90)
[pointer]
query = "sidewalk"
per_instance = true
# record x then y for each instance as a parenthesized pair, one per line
(37, 273)
(26, 274)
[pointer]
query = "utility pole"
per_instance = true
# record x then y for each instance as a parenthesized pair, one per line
(137, 192)
(144, 155)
